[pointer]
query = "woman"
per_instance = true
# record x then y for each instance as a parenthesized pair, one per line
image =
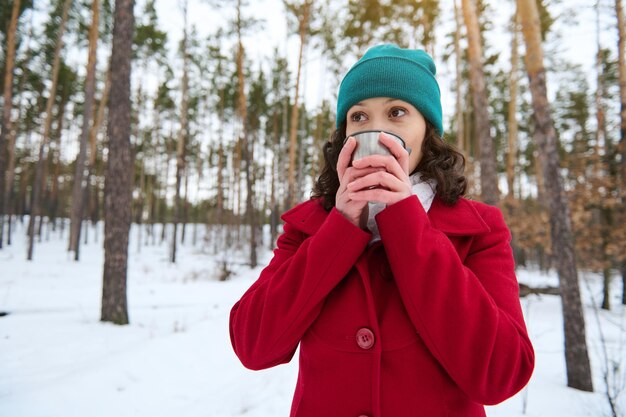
(401, 294)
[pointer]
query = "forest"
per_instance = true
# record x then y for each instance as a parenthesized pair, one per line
(109, 116)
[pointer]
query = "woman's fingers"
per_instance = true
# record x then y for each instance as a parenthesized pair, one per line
(396, 149)
(386, 162)
(379, 195)
(352, 173)
(343, 161)
(381, 179)
(389, 182)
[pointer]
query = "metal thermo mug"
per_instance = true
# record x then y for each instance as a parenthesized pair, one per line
(367, 143)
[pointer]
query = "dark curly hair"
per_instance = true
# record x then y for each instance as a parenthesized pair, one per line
(440, 161)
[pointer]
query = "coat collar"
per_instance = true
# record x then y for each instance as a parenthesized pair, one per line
(460, 219)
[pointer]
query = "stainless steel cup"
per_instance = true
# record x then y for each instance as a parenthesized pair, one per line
(367, 143)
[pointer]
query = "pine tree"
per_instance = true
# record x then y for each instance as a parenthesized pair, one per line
(79, 186)
(5, 127)
(119, 170)
(488, 180)
(576, 356)
(39, 172)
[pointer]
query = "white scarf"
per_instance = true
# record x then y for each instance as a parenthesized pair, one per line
(424, 190)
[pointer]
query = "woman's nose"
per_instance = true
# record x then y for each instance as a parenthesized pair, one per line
(381, 126)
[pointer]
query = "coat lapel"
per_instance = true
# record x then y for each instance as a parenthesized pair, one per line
(460, 219)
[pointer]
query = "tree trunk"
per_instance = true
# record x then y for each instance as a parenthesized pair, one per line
(300, 163)
(182, 136)
(78, 189)
(10, 178)
(599, 172)
(511, 159)
(488, 176)
(140, 204)
(119, 174)
(91, 166)
(248, 156)
(5, 129)
(245, 145)
(576, 356)
(622, 140)
(219, 222)
(36, 193)
(55, 162)
(293, 128)
(460, 127)
(12, 136)
(220, 195)
(273, 200)
(162, 205)
(196, 219)
(185, 205)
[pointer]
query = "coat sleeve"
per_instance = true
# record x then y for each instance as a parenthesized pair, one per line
(467, 313)
(269, 320)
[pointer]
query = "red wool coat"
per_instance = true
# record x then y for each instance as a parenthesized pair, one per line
(426, 322)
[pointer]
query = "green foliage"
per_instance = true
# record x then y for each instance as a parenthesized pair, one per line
(257, 101)
(6, 8)
(150, 41)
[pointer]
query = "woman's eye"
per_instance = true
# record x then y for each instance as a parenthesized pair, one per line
(397, 112)
(357, 117)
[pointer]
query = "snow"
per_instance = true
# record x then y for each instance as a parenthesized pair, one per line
(174, 358)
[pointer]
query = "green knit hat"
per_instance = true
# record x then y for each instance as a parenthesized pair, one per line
(389, 71)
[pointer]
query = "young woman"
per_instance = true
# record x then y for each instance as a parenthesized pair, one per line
(401, 293)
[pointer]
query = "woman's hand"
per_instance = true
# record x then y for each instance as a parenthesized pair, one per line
(355, 211)
(387, 185)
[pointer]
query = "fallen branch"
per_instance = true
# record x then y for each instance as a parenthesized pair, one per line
(525, 290)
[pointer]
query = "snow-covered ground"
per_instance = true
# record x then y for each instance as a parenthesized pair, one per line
(58, 360)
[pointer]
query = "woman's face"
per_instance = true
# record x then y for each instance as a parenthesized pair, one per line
(393, 115)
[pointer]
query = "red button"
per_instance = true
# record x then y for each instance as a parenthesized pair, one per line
(365, 338)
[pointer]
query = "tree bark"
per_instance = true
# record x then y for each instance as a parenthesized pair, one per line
(140, 205)
(119, 175)
(54, 160)
(185, 206)
(182, 137)
(221, 162)
(293, 127)
(162, 206)
(576, 355)
(91, 204)
(511, 159)
(78, 189)
(91, 166)
(246, 148)
(6, 127)
(488, 176)
(39, 170)
(599, 172)
(273, 199)
(460, 125)
(622, 140)
(12, 137)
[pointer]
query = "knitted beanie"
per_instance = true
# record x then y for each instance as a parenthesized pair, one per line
(389, 71)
